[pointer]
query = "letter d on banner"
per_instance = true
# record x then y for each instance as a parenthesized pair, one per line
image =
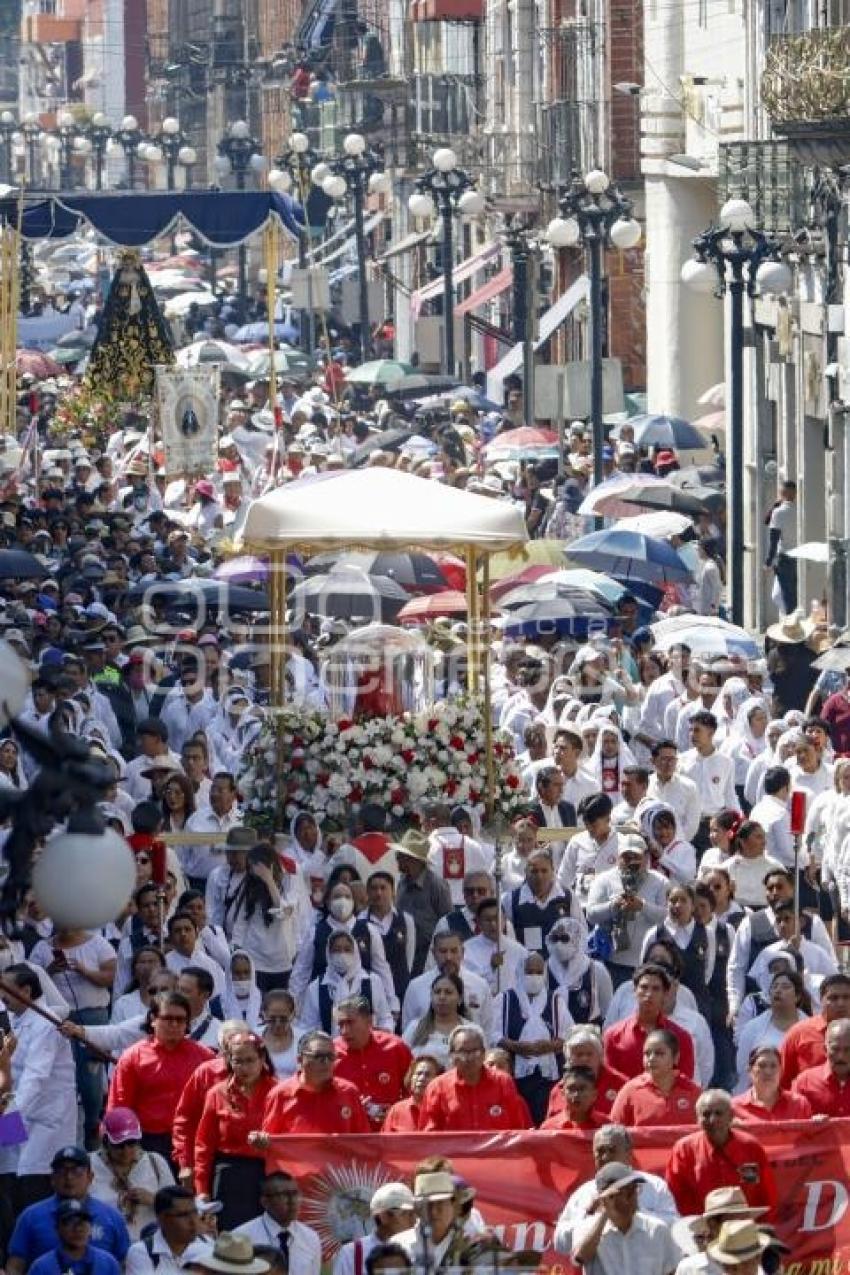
(833, 1196)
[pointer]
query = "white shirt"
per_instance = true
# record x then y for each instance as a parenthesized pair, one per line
(820, 781)
(739, 957)
(468, 856)
(44, 1084)
(647, 1248)
(775, 817)
(178, 963)
(149, 1173)
(135, 783)
(477, 952)
(139, 1261)
(199, 861)
(345, 1262)
(714, 777)
(183, 717)
(655, 1196)
(305, 1247)
(76, 989)
(584, 859)
(784, 520)
(476, 997)
(680, 793)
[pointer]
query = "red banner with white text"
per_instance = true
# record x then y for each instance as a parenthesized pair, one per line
(523, 1180)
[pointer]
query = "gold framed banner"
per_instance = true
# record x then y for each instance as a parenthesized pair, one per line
(187, 400)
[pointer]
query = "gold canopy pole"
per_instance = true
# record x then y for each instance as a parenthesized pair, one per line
(472, 623)
(10, 248)
(486, 659)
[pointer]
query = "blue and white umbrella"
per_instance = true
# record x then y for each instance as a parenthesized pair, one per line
(666, 431)
(629, 555)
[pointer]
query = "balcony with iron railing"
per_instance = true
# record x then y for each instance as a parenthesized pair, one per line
(805, 86)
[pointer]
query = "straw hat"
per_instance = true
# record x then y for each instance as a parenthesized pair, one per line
(739, 1241)
(232, 1254)
(434, 1186)
(728, 1201)
(791, 630)
(414, 845)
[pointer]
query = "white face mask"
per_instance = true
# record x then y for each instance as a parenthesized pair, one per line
(241, 988)
(534, 983)
(341, 962)
(341, 908)
(563, 949)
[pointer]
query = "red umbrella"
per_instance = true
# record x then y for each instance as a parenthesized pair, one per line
(34, 363)
(528, 575)
(454, 570)
(526, 439)
(449, 602)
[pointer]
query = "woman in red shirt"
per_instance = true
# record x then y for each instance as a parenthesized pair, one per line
(403, 1116)
(766, 1100)
(227, 1167)
(661, 1095)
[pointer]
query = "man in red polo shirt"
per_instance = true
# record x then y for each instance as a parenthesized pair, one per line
(472, 1097)
(662, 1095)
(580, 1095)
(718, 1155)
(375, 1062)
(149, 1076)
(583, 1048)
(827, 1087)
(313, 1100)
(803, 1045)
(624, 1041)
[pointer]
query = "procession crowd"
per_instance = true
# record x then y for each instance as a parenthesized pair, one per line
(651, 946)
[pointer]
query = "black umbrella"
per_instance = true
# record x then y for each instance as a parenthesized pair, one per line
(19, 564)
(420, 385)
(683, 500)
(215, 595)
(391, 440)
(699, 476)
(416, 572)
(347, 592)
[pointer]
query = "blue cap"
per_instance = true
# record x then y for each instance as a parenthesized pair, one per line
(72, 1155)
(69, 1209)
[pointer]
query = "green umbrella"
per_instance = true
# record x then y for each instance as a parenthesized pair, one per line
(379, 372)
(66, 357)
(287, 360)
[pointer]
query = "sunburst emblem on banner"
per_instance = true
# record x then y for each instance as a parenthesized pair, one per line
(336, 1202)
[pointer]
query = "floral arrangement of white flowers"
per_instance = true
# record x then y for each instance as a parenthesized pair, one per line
(330, 767)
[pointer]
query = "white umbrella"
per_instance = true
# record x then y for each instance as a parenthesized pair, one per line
(811, 551)
(705, 635)
(179, 305)
(208, 351)
(714, 396)
(661, 523)
(382, 637)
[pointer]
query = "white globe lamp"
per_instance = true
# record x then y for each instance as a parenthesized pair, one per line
(83, 880)
(421, 205)
(597, 181)
(300, 143)
(319, 173)
(736, 215)
(625, 233)
(380, 184)
(563, 232)
(334, 186)
(699, 276)
(471, 203)
(774, 277)
(445, 159)
(354, 144)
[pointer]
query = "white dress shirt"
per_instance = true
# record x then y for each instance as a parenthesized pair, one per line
(714, 776)
(476, 997)
(654, 1195)
(739, 957)
(680, 793)
(163, 1262)
(305, 1247)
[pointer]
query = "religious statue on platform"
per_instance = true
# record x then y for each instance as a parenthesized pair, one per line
(133, 336)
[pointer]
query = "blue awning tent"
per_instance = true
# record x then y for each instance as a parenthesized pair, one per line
(222, 219)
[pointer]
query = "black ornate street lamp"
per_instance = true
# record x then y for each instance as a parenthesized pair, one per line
(525, 250)
(131, 139)
(67, 134)
(360, 172)
(296, 167)
(595, 215)
(735, 257)
(31, 133)
(175, 148)
(8, 132)
(449, 191)
(240, 154)
(96, 142)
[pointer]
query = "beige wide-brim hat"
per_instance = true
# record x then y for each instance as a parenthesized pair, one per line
(791, 630)
(233, 1254)
(739, 1241)
(414, 845)
(728, 1200)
